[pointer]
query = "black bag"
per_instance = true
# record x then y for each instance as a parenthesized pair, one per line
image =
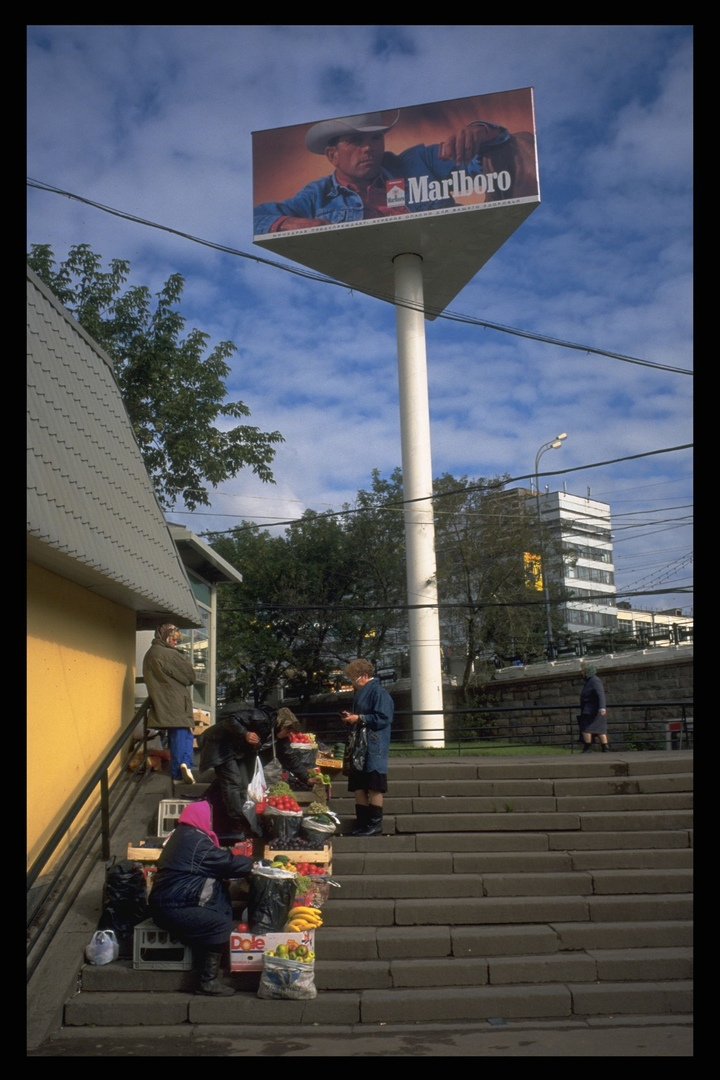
(269, 902)
(356, 749)
(124, 902)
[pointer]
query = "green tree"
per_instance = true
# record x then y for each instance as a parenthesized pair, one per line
(281, 622)
(489, 598)
(375, 625)
(174, 390)
(329, 589)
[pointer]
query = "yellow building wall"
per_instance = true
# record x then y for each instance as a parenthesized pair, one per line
(80, 693)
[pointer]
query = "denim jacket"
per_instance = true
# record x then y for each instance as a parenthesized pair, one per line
(328, 198)
(375, 707)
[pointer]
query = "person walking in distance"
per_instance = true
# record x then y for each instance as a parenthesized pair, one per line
(592, 719)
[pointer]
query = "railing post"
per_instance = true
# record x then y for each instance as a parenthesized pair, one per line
(104, 817)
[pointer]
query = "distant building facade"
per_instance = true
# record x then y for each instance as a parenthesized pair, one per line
(581, 530)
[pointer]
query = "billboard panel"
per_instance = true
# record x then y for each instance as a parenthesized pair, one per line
(449, 181)
(380, 166)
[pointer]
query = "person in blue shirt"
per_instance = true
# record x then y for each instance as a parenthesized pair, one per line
(373, 707)
(369, 182)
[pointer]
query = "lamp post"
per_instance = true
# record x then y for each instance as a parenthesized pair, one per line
(553, 445)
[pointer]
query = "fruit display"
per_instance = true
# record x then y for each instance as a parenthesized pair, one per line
(293, 950)
(285, 803)
(294, 843)
(302, 917)
(301, 738)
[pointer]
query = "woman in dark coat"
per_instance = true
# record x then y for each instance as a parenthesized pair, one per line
(190, 897)
(592, 710)
(232, 746)
(373, 707)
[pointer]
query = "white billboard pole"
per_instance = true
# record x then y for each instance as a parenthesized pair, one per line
(423, 619)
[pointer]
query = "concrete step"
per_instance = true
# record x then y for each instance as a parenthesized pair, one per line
(527, 804)
(505, 862)
(484, 910)
(515, 888)
(353, 947)
(392, 1005)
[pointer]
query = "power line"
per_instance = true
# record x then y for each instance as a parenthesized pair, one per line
(487, 486)
(391, 299)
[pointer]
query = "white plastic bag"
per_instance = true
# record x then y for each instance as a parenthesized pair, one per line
(257, 789)
(103, 947)
(292, 980)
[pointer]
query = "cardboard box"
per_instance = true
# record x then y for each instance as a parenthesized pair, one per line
(246, 950)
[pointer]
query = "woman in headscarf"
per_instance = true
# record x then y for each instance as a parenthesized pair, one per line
(169, 678)
(591, 720)
(232, 746)
(190, 896)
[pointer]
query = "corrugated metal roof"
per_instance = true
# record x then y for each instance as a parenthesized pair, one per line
(93, 515)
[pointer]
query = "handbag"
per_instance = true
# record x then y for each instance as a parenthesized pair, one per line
(273, 769)
(356, 749)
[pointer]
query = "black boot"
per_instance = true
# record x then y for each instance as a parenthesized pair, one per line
(604, 747)
(209, 982)
(587, 748)
(374, 825)
(362, 820)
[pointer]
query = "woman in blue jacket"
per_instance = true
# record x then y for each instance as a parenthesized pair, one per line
(372, 706)
(190, 896)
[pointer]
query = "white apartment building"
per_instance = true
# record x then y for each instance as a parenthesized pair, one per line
(582, 527)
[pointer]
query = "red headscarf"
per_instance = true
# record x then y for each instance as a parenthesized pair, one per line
(199, 814)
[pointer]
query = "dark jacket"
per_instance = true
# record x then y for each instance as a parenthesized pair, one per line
(191, 870)
(226, 739)
(592, 697)
(168, 677)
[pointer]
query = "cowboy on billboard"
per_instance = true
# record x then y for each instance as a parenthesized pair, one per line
(481, 160)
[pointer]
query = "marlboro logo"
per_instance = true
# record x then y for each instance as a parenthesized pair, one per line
(395, 192)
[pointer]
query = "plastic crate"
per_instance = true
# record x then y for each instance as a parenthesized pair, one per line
(156, 950)
(169, 811)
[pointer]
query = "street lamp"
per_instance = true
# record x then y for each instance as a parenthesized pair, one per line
(553, 445)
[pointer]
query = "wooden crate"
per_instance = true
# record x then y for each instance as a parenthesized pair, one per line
(304, 798)
(143, 854)
(321, 858)
(326, 763)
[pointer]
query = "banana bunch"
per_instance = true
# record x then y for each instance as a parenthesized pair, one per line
(304, 918)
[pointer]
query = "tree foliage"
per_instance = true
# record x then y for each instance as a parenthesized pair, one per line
(174, 390)
(328, 590)
(487, 541)
(334, 587)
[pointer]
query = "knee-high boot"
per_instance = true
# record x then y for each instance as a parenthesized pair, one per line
(374, 825)
(209, 967)
(362, 820)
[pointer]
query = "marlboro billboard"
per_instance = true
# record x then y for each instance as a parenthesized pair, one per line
(449, 181)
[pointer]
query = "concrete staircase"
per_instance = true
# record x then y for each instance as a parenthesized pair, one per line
(533, 888)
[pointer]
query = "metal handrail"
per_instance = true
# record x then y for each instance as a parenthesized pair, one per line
(561, 733)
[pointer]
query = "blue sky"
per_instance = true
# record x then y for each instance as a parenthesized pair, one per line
(156, 121)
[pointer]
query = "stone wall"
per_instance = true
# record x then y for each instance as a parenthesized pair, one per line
(538, 704)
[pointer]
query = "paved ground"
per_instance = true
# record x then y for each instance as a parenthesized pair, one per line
(657, 1037)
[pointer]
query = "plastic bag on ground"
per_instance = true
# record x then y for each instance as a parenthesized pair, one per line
(103, 947)
(291, 980)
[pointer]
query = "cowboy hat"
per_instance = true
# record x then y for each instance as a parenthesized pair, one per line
(320, 135)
